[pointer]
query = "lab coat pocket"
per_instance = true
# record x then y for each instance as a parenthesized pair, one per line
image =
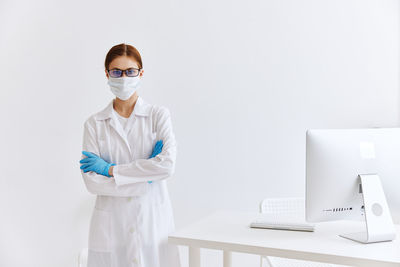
(103, 141)
(104, 149)
(99, 232)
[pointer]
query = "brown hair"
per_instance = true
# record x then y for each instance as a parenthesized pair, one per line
(123, 50)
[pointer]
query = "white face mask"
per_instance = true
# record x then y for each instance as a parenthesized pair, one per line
(124, 87)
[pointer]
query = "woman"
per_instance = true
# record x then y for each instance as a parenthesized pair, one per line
(126, 168)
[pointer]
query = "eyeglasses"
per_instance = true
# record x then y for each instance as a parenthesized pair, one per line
(116, 73)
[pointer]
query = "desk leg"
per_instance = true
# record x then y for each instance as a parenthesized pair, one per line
(194, 257)
(227, 258)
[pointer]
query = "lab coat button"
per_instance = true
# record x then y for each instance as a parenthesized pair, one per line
(132, 230)
(129, 198)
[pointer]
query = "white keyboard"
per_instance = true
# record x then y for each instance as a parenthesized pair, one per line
(281, 222)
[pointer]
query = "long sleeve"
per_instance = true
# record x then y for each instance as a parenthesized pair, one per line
(161, 166)
(99, 184)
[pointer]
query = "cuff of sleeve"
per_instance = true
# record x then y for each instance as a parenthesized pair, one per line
(138, 189)
(117, 177)
(121, 179)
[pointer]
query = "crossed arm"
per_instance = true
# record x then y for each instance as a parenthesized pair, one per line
(127, 179)
(94, 163)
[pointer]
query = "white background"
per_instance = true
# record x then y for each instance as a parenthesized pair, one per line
(243, 80)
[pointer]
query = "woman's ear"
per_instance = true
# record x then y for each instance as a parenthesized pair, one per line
(106, 73)
(141, 73)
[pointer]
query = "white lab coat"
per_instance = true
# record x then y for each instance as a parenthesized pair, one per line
(131, 219)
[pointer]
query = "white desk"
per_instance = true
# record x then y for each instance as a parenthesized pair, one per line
(229, 231)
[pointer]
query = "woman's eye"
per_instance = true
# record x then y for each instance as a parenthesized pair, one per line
(116, 73)
(131, 72)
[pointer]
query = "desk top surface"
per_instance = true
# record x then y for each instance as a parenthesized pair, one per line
(230, 230)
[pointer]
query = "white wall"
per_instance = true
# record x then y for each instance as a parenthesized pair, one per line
(243, 79)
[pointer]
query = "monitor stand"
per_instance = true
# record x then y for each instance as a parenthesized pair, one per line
(379, 224)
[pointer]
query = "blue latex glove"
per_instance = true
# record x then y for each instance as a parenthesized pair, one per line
(156, 150)
(94, 163)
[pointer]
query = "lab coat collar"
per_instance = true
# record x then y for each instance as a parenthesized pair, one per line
(142, 108)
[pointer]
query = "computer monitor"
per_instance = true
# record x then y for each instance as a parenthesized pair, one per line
(354, 174)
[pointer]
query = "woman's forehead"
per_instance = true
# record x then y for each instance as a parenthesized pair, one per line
(123, 62)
